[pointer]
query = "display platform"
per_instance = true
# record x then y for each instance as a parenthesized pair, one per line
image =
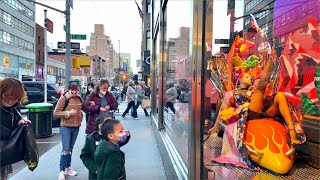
(212, 149)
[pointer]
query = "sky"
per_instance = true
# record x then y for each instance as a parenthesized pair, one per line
(122, 21)
(120, 18)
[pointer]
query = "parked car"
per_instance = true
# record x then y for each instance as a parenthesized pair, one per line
(35, 93)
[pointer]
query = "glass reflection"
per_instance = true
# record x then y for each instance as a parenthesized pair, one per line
(177, 105)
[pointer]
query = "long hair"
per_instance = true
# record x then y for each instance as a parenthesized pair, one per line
(73, 87)
(12, 89)
(101, 83)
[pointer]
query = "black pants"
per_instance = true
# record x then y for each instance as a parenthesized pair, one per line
(133, 105)
(145, 111)
(170, 105)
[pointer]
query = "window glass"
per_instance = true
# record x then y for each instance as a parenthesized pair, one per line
(280, 43)
(177, 105)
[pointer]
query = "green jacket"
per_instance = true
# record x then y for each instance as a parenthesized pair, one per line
(110, 160)
(87, 153)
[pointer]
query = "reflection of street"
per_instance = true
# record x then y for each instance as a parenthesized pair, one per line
(177, 127)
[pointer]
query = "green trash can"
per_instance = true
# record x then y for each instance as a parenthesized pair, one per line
(40, 115)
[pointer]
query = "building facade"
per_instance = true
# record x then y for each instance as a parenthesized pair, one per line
(101, 45)
(182, 36)
(17, 39)
(39, 52)
(146, 41)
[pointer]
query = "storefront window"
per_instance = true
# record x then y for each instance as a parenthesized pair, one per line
(178, 65)
(273, 51)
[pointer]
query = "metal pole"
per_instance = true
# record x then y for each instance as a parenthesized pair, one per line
(119, 64)
(45, 57)
(68, 52)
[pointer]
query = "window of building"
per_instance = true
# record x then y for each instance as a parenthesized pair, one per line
(21, 8)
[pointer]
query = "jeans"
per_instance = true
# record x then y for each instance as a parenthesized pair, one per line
(145, 111)
(68, 138)
(134, 113)
(170, 105)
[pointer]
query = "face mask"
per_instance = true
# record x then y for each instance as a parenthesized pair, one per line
(7, 105)
(123, 137)
(103, 92)
(90, 89)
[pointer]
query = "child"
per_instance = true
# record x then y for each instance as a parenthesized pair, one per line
(92, 141)
(108, 156)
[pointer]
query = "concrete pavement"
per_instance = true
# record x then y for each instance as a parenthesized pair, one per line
(143, 161)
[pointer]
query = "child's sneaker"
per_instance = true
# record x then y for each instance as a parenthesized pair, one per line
(70, 172)
(61, 176)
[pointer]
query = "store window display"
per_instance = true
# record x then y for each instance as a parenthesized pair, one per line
(258, 105)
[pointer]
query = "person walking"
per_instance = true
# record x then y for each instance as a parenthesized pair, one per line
(92, 141)
(90, 88)
(131, 97)
(12, 95)
(141, 95)
(69, 110)
(98, 102)
(172, 95)
(123, 92)
(108, 156)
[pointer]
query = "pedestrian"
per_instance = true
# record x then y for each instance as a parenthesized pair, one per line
(123, 92)
(92, 141)
(108, 156)
(71, 118)
(131, 97)
(90, 88)
(141, 95)
(171, 95)
(12, 95)
(98, 102)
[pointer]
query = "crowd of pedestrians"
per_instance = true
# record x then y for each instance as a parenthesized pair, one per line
(101, 152)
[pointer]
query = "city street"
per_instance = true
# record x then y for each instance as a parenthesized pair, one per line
(143, 160)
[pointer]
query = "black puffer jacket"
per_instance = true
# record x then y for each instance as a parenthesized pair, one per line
(9, 117)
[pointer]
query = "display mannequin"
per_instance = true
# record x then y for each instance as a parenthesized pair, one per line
(251, 104)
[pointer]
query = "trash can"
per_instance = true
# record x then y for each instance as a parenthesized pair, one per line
(40, 115)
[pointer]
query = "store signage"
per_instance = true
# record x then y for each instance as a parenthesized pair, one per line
(63, 45)
(49, 25)
(6, 61)
(221, 41)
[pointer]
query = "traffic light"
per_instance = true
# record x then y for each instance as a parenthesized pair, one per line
(124, 77)
(75, 62)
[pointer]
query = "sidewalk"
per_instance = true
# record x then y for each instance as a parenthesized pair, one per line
(143, 161)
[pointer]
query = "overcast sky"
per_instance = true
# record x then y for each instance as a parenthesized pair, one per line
(122, 21)
(120, 18)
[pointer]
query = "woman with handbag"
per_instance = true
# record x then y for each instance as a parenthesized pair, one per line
(12, 94)
(141, 96)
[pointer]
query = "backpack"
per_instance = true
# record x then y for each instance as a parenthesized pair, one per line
(67, 102)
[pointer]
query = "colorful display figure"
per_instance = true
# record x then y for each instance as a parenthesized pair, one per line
(247, 103)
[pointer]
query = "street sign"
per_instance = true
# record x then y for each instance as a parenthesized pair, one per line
(49, 25)
(119, 69)
(79, 36)
(63, 45)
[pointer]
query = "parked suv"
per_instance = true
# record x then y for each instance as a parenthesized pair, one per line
(35, 93)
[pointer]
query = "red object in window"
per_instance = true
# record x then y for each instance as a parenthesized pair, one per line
(49, 25)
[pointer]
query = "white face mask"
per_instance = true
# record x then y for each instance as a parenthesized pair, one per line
(90, 89)
(103, 92)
